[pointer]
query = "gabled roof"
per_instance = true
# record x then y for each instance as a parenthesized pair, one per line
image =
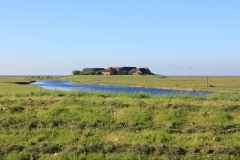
(92, 69)
(88, 69)
(115, 68)
(144, 70)
(97, 69)
(127, 68)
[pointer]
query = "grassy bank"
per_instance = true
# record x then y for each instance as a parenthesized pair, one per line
(46, 124)
(10, 84)
(198, 83)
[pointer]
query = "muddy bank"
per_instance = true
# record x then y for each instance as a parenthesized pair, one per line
(29, 82)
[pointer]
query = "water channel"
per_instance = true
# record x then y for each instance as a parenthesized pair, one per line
(66, 85)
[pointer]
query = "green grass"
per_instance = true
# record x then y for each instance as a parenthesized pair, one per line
(50, 124)
(11, 88)
(7, 83)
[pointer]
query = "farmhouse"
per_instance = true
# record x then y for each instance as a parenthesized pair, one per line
(107, 72)
(127, 69)
(142, 71)
(116, 71)
(122, 70)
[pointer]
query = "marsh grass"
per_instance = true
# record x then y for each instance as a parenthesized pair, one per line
(53, 124)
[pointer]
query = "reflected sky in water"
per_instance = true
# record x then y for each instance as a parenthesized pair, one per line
(66, 85)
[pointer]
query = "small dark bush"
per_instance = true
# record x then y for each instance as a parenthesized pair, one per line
(17, 109)
(143, 95)
(32, 125)
(57, 123)
(51, 148)
(60, 94)
(12, 148)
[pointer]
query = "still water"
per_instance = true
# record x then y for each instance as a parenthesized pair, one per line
(66, 85)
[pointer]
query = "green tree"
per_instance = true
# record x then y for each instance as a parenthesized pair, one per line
(92, 73)
(76, 72)
(131, 72)
(98, 73)
(125, 73)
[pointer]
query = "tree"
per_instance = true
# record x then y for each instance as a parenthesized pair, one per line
(98, 73)
(76, 72)
(125, 73)
(92, 73)
(131, 72)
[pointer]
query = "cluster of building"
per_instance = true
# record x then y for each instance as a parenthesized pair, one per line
(117, 71)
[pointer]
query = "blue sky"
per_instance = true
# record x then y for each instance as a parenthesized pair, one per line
(171, 37)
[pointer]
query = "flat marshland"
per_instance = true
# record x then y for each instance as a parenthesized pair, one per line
(51, 124)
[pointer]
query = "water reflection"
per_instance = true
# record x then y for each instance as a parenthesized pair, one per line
(66, 85)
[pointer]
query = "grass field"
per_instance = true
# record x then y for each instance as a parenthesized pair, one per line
(50, 124)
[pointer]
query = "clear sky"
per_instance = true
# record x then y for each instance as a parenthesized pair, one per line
(171, 37)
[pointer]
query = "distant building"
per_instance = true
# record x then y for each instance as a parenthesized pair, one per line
(142, 71)
(122, 70)
(107, 72)
(117, 71)
(127, 69)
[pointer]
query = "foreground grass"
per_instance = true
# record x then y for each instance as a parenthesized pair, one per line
(198, 83)
(51, 124)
